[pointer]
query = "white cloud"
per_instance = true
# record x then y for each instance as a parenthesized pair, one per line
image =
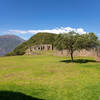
(56, 30)
(81, 31)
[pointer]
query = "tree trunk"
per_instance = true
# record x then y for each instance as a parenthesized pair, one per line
(61, 52)
(71, 56)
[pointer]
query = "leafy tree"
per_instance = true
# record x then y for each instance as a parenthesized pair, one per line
(73, 41)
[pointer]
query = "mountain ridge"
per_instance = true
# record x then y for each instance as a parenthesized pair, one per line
(9, 43)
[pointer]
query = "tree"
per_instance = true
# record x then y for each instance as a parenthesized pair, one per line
(73, 41)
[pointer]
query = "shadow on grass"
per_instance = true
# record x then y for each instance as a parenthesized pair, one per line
(8, 95)
(78, 61)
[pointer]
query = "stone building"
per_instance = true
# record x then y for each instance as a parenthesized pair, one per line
(42, 47)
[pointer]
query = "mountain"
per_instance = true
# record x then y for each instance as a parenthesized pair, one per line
(9, 43)
(39, 38)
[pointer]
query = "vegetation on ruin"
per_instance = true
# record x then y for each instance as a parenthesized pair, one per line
(39, 38)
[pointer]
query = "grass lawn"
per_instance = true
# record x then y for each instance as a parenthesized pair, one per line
(49, 78)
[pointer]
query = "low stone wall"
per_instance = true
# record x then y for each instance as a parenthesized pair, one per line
(83, 52)
(92, 52)
(98, 52)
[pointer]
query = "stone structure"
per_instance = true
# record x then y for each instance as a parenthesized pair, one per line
(98, 51)
(83, 52)
(44, 47)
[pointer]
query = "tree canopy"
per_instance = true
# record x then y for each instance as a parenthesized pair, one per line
(73, 41)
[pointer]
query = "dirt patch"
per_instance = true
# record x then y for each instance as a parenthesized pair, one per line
(9, 75)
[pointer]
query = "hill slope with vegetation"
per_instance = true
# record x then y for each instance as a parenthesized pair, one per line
(39, 38)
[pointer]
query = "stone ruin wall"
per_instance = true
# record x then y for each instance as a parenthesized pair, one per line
(44, 47)
(80, 53)
(92, 52)
(98, 52)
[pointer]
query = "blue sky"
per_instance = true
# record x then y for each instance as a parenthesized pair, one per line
(26, 17)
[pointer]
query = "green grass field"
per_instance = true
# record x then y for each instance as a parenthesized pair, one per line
(50, 78)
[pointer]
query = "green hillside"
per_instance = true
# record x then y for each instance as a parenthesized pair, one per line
(39, 38)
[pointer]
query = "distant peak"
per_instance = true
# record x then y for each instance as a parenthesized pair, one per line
(8, 36)
(11, 37)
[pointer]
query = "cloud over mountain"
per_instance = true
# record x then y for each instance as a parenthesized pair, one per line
(55, 30)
